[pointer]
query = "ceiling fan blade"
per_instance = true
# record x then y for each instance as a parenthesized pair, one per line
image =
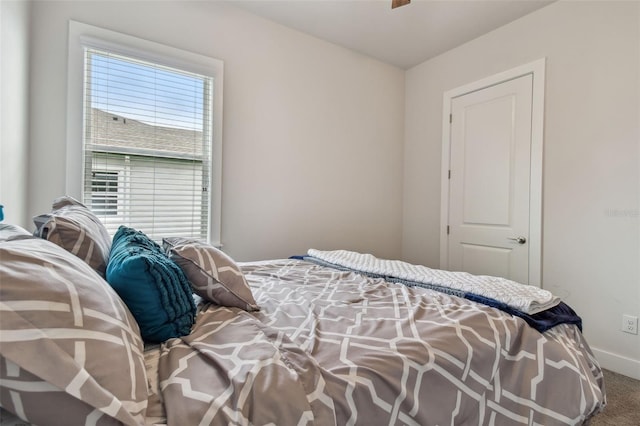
(398, 3)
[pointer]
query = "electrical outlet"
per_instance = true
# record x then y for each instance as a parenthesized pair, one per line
(630, 324)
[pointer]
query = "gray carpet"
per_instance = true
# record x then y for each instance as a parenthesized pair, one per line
(623, 401)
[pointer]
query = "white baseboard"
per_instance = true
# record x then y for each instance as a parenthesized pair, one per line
(618, 364)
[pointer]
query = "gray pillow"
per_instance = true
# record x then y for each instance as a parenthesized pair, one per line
(213, 275)
(10, 232)
(75, 228)
(71, 351)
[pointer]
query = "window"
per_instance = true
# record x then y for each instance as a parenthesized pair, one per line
(149, 125)
(104, 192)
(152, 122)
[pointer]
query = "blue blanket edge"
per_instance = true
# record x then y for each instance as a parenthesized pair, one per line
(541, 321)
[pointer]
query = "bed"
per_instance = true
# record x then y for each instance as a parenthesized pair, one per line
(325, 338)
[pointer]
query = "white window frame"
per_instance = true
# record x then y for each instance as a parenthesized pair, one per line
(82, 35)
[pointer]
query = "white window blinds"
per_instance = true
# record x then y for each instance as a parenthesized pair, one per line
(147, 145)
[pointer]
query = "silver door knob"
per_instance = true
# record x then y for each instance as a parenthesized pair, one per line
(519, 240)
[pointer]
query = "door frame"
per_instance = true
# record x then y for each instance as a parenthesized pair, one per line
(537, 70)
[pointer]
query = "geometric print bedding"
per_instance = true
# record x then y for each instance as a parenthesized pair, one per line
(70, 350)
(336, 347)
(213, 274)
(75, 228)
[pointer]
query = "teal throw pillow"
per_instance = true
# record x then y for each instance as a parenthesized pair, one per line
(153, 287)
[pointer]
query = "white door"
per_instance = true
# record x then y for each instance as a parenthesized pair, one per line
(489, 183)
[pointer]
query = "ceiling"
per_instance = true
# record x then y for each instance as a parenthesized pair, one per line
(405, 36)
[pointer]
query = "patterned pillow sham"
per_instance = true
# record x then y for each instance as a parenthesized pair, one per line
(152, 285)
(72, 226)
(212, 273)
(70, 350)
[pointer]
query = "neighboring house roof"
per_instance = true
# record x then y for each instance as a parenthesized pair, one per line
(115, 133)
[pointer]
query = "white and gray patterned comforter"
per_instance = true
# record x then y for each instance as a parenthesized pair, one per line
(332, 347)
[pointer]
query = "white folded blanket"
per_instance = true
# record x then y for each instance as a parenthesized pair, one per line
(525, 298)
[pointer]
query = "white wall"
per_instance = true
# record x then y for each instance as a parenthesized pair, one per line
(14, 109)
(312, 134)
(591, 189)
